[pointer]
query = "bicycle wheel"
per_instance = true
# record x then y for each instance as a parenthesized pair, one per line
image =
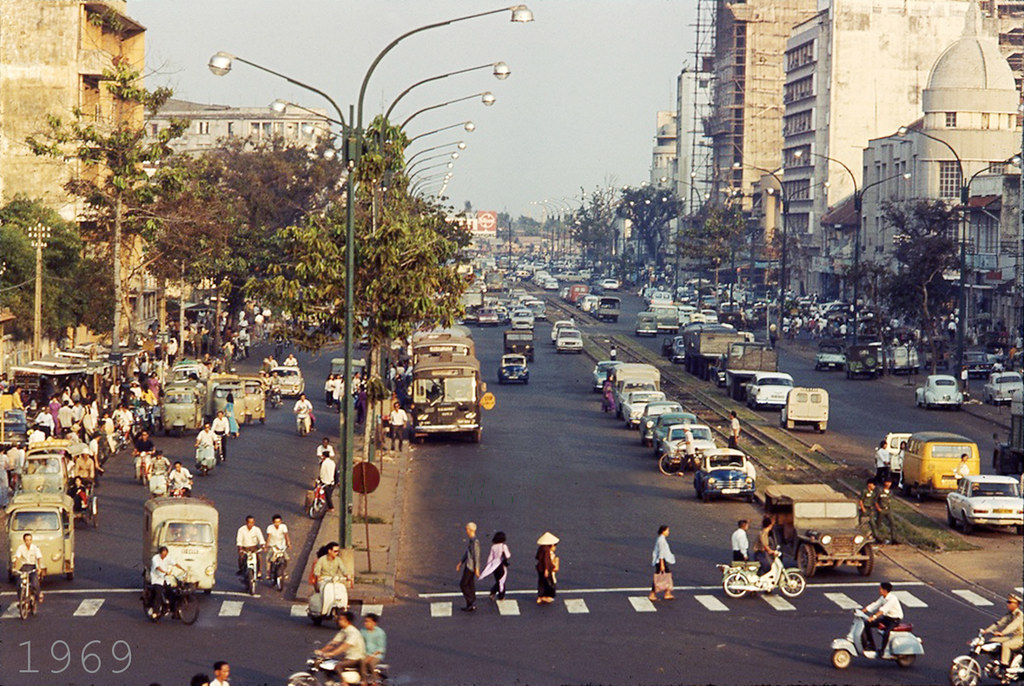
(188, 610)
(792, 583)
(25, 607)
(668, 465)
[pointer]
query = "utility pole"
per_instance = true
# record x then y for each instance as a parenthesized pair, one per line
(39, 234)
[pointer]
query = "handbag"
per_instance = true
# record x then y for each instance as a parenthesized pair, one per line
(663, 582)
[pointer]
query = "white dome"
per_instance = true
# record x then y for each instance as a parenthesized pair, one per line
(973, 62)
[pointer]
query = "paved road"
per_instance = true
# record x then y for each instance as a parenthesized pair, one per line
(549, 460)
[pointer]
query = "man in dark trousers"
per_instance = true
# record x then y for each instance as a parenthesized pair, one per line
(470, 566)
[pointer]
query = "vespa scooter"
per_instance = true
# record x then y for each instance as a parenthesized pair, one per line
(903, 645)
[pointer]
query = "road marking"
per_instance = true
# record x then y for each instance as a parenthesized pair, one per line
(641, 604)
(440, 609)
(88, 607)
(909, 599)
(373, 609)
(231, 608)
(712, 603)
(576, 606)
(95, 591)
(298, 610)
(11, 612)
(1019, 589)
(973, 598)
(647, 589)
(844, 601)
(508, 607)
(778, 602)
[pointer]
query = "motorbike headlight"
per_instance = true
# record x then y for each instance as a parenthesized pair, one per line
(826, 539)
(858, 539)
(55, 557)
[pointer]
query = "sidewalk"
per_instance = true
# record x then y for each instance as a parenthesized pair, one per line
(374, 577)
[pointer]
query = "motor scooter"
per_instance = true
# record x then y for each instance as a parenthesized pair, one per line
(324, 670)
(903, 645)
(302, 424)
(741, 578)
(278, 563)
(158, 485)
(329, 601)
(205, 461)
(251, 569)
(966, 670)
(142, 460)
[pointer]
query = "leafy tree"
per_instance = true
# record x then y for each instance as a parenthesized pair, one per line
(593, 224)
(650, 210)
(925, 249)
(715, 239)
(114, 153)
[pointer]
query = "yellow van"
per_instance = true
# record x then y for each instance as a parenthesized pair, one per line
(931, 459)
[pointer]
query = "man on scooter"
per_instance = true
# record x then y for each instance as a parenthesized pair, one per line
(1009, 630)
(347, 643)
(884, 613)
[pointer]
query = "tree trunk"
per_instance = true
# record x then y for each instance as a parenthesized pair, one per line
(216, 321)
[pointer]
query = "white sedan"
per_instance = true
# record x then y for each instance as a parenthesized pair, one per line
(986, 499)
(569, 341)
(675, 437)
(634, 404)
(939, 390)
(1001, 386)
(768, 389)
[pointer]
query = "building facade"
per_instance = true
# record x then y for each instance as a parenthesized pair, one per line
(664, 170)
(971, 104)
(53, 56)
(210, 124)
(854, 71)
(693, 146)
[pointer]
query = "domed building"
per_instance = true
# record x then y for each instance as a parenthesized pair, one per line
(970, 111)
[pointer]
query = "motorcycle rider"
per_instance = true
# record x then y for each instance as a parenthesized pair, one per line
(161, 567)
(884, 613)
(221, 428)
(159, 465)
(143, 445)
(277, 538)
(179, 478)
(205, 441)
(304, 410)
(327, 566)
(249, 539)
(1008, 630)
(28, 559)
(348, 642)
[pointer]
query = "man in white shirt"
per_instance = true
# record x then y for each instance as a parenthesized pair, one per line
(221, 674)
(325, 449)
(160, 569)
(882, 460)
(348, 643)
(884, 613)
(303, 411)
(205, 440)
(963, 469)
(44, 422)
(290, 361)
(740, 542)
(326, 474)
(28, 559)
(221, 427)
(399, 421)
(734, 431)
(179, 478)
(277, 538)
(249, 538)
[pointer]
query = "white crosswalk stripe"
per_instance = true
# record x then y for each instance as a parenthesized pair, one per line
(778, 602)
(909, 599)
(576, 606)
(298, 610)
(1020, 590)
(973, 598)
(844, 601)
(712, 603)
(508, 607)
(11, 612)
(641, 604)
(373, 609)
(88, 607)
(231, 608)
(440, 609)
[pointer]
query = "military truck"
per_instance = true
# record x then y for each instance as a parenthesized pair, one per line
(707, 344)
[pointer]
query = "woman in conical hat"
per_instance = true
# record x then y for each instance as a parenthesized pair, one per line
(547, 568)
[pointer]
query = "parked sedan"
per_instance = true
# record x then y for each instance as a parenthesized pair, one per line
(939, 390)
(513, 369)
(1001, 386)
(601, 371)
(986, 499)
(488, 316)
(633, 405)
(651, 414)
(703, 439)
(725, 472)
(664, 422)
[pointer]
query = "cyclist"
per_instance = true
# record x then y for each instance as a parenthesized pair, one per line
(28, 559)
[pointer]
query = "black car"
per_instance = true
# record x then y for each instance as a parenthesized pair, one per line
(977, 363)
(513, 369)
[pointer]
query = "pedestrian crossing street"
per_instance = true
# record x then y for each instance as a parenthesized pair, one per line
(701, 600)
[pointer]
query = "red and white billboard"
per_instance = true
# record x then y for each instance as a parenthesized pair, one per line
(486, 224)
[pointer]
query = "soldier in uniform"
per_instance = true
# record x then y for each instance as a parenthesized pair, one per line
(1009, 630)
(883, 507)
(866, 506)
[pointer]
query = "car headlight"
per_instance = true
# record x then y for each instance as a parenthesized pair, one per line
(826, 539)
(648, 424)
(712, 481)
(210, 570)
(750, 481)
(858, 539)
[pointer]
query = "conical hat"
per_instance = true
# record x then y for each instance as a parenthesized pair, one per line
(547, 539)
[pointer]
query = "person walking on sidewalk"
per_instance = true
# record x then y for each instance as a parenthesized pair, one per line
(547, 568)
(734, 431)
(661, 559)
(399, 422)
(497, 562)
(470, 567)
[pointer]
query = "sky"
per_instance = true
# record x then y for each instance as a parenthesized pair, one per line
(578, 111)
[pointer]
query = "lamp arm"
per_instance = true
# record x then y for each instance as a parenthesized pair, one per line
(300, 84)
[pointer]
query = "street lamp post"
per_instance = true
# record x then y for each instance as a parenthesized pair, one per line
(486, 97)
(785, 215)
(352, 130)
(39, 234)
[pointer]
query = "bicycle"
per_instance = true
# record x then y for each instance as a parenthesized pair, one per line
(28, 603)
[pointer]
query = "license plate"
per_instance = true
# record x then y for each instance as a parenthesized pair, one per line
(1003, 511)
(730, 491)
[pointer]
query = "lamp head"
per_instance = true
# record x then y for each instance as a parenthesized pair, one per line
(906, 176)
(798, 154)
(501, 71)
(737, 165)
(460, 145)
(469, 126)
(455, 155)
(1016, 161)
(220, 63)
(521, 14)
(487, 98)
(279, 106)
(902, 131)
(450, 165)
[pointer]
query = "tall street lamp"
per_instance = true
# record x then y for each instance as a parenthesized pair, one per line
(451, 156)
(352, 129)
(486, 97)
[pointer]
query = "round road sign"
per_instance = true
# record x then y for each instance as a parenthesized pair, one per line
(487, 402)
(365, 477)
